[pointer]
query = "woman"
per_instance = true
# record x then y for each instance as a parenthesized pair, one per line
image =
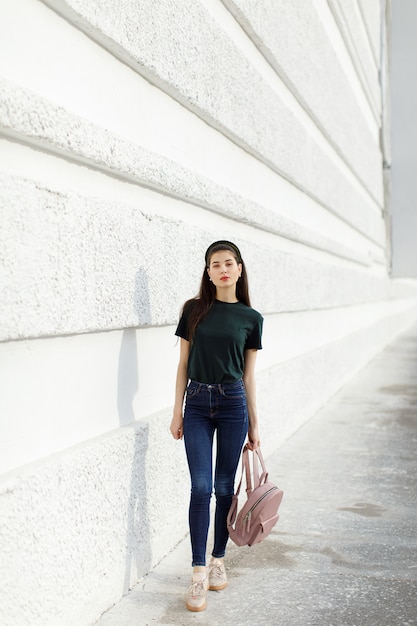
(220, 335)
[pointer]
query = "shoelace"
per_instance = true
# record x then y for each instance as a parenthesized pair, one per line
(197, 588)
(216, 571)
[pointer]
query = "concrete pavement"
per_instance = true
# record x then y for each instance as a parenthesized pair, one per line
(344, 552)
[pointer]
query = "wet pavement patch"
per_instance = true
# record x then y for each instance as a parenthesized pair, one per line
(399, 390)
(365, 509)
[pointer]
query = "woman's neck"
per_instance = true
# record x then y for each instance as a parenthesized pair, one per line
(227, 296)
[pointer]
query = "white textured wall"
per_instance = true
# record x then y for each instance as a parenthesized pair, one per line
(131, 136)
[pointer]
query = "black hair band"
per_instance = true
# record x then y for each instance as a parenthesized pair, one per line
(227, 245)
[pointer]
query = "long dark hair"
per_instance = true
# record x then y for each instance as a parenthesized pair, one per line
(197, 308)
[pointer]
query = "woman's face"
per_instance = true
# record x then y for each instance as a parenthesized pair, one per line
(223, 269)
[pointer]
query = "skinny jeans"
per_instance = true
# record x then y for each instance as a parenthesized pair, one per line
(210, 409)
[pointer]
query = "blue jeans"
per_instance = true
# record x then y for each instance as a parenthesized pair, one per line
(209, 409)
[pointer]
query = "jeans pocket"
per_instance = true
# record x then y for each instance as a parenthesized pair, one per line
(192, 390)
(234, 395)
(234, 392)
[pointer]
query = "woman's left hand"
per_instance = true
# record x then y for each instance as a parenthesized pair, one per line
(253, 438)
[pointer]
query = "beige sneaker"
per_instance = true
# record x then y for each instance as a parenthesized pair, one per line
(217, 575)
(196, 599)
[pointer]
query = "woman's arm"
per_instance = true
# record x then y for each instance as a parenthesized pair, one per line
(250, 387)
(176, 427)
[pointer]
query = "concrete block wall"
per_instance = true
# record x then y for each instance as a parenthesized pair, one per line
(131, 136)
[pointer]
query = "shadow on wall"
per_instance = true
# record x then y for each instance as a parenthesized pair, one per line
(138, 548)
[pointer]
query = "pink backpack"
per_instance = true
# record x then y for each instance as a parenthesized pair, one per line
(259, 514)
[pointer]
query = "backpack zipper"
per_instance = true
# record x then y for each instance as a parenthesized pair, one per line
(246, 519)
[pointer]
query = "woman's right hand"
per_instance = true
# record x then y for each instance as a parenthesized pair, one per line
(176, 427)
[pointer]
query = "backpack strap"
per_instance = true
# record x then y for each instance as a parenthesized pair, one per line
(255, 468)
(257, 454)
(246, 464)
(246, 467)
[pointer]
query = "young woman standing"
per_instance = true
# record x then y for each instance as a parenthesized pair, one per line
(220, 335)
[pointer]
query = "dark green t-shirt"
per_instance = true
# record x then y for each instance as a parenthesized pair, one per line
(220, 340)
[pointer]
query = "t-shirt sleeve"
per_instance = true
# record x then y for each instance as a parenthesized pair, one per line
(182, 328)
(254, 340)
